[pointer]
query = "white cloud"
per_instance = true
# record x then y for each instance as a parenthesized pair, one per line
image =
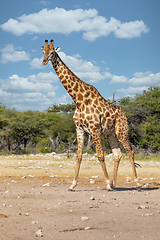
(82, 68)
(131, 91)
(145, 79)
(139, 83)
(115, 79)
(51, 94)
(34, 83)
(118, 79)
(45, 2)
(35, 92)
(59, 20)
(140, 79)
(9, 54)
(85, 70)
(131, 29)
(35, 38)
(35, 101)
(44, 77)
(37, 63)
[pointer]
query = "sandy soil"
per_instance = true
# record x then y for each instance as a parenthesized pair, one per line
(35, 207)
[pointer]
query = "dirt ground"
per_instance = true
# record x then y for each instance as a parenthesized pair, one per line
(40, 207)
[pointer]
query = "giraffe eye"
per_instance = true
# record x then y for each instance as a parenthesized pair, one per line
(51, 54)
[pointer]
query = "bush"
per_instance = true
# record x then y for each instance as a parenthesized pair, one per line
(88, 151)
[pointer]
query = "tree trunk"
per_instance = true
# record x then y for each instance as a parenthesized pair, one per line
(90, 143)
(55, 143)
(25, 143)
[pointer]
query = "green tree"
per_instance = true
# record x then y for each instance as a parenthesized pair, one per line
(150, 102)
(27, 126)
(70, 107)
(6, 118)
(143, 112)
(151, 133)
(3, 119)
(63, 124)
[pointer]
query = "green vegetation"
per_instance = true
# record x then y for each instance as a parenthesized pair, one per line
(54, 129)
(143, 113)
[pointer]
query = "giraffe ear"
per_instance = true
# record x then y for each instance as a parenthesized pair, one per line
(42, 47)
(57, 49)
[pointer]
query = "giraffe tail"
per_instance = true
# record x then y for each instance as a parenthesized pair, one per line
(137, 165)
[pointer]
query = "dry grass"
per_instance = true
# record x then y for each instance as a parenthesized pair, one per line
(59, 165)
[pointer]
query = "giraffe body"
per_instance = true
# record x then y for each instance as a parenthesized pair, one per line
(93, 115)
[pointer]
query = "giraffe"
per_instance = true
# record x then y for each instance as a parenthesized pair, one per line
(93, 115)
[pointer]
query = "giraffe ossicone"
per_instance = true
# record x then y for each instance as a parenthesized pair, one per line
(94, 115)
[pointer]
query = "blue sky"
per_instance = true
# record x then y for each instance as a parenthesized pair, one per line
(111, 44)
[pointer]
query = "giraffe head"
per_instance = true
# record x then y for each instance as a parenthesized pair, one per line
(49, 51)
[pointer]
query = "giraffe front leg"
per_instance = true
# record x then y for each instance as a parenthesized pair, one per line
(97, 141)
(103, 165)
(117, 156)
(80, 139)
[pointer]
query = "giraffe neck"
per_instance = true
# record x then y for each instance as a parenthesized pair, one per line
(74, 86)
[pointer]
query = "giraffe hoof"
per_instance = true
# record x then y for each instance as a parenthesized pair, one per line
(139, 188)
(71, 190)
(109, 189)
(112, 185)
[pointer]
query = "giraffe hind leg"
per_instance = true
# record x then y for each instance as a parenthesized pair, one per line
(130, 152)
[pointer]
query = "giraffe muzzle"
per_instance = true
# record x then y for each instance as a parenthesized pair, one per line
(45, 61)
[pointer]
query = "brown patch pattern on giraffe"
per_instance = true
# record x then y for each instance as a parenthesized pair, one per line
(94, 115)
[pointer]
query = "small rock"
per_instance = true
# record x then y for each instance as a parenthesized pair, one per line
(84, 218)
(46, 184)
(13, 181)
(93, 206)
(143, 207)
(146, 185)
(54, 176)
(87, 228)
(39, 233)
(128, 179)
(95, 176)
(92, 198)
(148, 214)
(92, 181)
(152, 179)
(24, 177)
(34, 222)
